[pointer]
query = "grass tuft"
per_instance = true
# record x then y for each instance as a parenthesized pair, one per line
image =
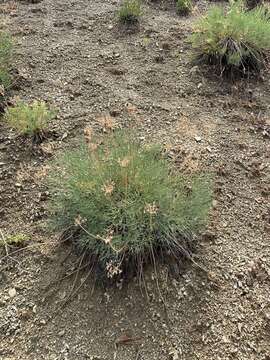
(183, 7)
(130, 12)
(236, 40)
(5, 56)
(124, 204)
(30, 119)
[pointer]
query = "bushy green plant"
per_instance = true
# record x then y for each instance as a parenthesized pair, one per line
(30, 119)
(235, 40)
(183, 7)
(5, 55)
(130, 11)
(124, 204)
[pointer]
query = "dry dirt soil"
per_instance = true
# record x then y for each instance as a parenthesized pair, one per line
(73, 55)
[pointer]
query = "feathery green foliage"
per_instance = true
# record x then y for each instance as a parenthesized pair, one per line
(5, 55)
(236, 40)
(183, 7)
(124, 202)
(130, 11)
(30, 119)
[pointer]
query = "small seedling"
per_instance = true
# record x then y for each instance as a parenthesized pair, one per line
(30, 119)
(130, 12)
(183, 7)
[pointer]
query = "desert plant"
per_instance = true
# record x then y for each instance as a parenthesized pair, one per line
(30, 119)
(236, 40)
(5, 55)
(123, 204)
(183, 7)
(130, 11)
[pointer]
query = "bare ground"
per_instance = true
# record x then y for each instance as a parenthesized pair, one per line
(73, 55)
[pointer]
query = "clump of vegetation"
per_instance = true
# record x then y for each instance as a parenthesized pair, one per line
(16, 239)
(251, 4)
(130, 12)
(5, 55)
(30, 119)
(124, 204)
(183, 7)
(235, 41)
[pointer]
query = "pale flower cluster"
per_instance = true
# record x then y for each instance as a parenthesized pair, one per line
(88, 135)
(124, 162)
(113, 269)
(108, 188)
(151, 209)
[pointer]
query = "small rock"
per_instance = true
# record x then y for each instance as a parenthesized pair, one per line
(12, 292)
(194, 69)
(198, 138)
(174, 354)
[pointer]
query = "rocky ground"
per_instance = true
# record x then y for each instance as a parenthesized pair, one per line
(74, 55)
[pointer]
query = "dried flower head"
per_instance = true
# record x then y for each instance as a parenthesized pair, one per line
(151, 209)
(78, 221)
(92, 146)
(113, 268)
(108, 187)
(124, 162)
(109, 237)
(2, 90)
(108, 123)
(88, 133)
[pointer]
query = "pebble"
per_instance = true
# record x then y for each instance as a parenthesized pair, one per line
(12, 292)
(61, 333)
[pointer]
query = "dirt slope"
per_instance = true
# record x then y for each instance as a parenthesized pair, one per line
(73, 55)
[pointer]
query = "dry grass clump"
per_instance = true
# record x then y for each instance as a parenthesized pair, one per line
(124, 205)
